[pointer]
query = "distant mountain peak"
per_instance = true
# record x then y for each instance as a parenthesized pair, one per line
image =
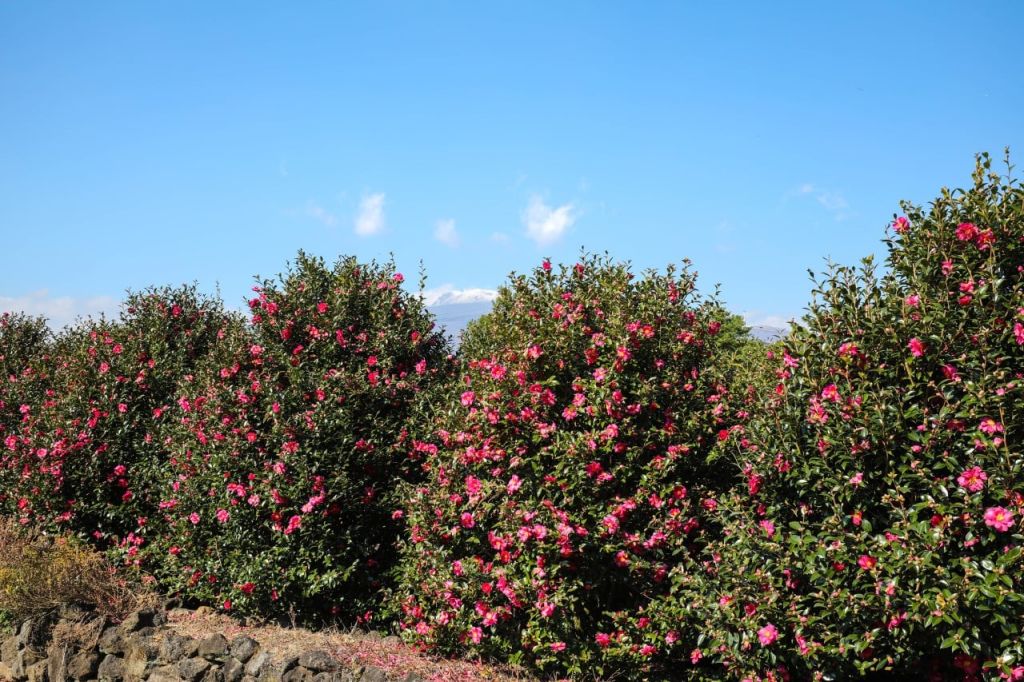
(446, 294)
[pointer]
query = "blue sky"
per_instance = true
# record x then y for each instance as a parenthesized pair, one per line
(161, 143)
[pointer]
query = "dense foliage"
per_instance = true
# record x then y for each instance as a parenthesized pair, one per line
(881, 527)
(284, 450)
(83, 453)
(570, 480)
(611, 479)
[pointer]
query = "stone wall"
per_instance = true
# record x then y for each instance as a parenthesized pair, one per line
(73, 645)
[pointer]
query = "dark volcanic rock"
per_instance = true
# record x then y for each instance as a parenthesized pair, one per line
(243, 648)
(192, 668)
(214, 648)
(174, 648)
(111, 668)
(233, 670)
(318, 662)
(83, 665)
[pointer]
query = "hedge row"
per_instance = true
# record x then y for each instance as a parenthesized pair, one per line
(608, 479)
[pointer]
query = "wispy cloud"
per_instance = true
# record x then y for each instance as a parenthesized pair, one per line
(320, 214)
(832, 201)
(446, 294)
(758, 318)
(445, 232)
(370, 217)
(59, 310)
(499, 237)
(544, 224)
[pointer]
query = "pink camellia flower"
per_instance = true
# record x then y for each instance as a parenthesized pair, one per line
(972, 479)
(867, 562)
(985, 239)
(467, 398)
(990, 426)
(1018, 333)
(830, 392)
(857, 479)
(768, 527)
(767, 635)
(194, 518)
(966, 231)
(949, 371)
(916, 347)
(901, 225)
(603, 639)
(223, 515)
(999, 519)
(475, 635)
(467, 520)
(558, 646)
(514, 484)
(912, 301)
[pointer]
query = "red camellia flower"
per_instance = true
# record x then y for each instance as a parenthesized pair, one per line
(867, 562)
(916, 347)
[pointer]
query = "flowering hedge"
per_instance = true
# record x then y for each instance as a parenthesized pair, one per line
(286, 446)
(571, 480)
(83, 454)
(881, 528)
(614, 483)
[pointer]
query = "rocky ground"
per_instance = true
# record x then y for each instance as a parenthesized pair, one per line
(184, 645)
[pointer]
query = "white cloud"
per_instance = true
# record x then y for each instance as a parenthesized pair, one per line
(832, 201)
(757, 318)
(446, 294)
(320, 214)
(59, 310)
(445, 233)
(370, 218)
(544, 224)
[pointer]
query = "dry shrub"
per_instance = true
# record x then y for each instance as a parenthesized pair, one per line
(39, 573)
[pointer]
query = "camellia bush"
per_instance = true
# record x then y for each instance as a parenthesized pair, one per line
(24, 343)
(285, 449)
(570, 481)
(83, 455)
(880, 525)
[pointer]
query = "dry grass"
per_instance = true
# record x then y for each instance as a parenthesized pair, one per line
(353, 648)
(40, 573)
